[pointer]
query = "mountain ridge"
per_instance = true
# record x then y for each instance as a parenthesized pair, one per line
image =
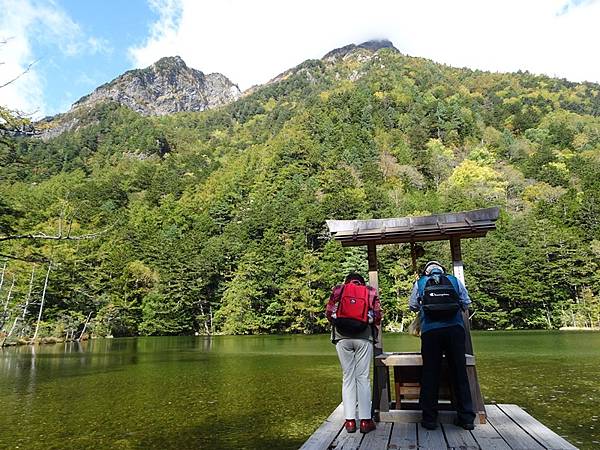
(169, 85)
(153, 90)
(165, 87)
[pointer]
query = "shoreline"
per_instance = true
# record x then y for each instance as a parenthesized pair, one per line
(49, 340)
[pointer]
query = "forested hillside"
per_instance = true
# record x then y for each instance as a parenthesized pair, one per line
(214, 221)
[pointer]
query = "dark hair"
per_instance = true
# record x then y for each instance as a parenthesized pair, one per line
(353, 276)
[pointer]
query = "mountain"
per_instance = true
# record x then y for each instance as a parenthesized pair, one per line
(370, 47)
(167, 86)
(360, 53)
(214, 220)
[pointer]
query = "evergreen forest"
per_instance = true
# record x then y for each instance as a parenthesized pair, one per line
(214, 221)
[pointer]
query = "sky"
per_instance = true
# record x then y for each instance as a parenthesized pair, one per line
(60, 50)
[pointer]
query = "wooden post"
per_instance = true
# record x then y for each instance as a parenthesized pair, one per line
(381, 392)
(458, 270)
(374, 282)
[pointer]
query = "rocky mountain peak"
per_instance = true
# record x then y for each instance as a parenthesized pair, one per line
(165, 87)
(170, 61)
(372, 46)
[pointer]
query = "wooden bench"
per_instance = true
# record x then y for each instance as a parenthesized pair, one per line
(407, 375)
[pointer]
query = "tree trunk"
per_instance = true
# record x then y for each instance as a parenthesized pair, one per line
(10, 332)
(84, 326)
(5, 310)
(37, 325)
(548, 318)
(26, 306)
(28, 293)
(2, 276)
(206, 320)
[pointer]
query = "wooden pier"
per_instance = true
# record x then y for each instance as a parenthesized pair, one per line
(508, 427)
(497, 427)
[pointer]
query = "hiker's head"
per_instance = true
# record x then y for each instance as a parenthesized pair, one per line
(354, 277)
(433, 267)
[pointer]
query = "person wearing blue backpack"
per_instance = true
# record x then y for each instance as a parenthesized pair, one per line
(440, 299)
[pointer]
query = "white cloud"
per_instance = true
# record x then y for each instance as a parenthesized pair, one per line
(21, 24)
(98, 45)
(253, 41)
(571, 4)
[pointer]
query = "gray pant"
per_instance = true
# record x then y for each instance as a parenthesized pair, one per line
(355, 357)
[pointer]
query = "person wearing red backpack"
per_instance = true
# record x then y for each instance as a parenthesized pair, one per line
(353, 311)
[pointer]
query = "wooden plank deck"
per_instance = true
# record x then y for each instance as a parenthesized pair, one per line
(509, 428)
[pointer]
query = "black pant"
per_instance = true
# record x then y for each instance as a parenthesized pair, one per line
(451, 342)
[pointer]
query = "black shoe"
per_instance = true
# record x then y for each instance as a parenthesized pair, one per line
(429, 425)
(464, 426)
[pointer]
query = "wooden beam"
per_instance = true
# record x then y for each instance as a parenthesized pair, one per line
(537, 430)
(457, 263)
(374, 282)
(458, 439)
(410, 359)
(459, 272)
(415, 416)
(515, 437)
(326, 433)
(349, 241)
(381, 392)
(403, 437)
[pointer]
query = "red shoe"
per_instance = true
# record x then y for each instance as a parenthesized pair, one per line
(350, 425)
(367, 425)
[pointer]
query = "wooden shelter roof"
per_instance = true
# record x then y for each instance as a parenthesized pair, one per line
(437, 227)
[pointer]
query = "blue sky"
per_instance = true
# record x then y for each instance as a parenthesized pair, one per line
(84, 45)
(79, 44)
(75, 75)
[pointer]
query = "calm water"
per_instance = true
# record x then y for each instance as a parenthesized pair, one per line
(258, 392)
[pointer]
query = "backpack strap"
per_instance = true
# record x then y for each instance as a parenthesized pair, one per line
(334, 299)
(421, 282)
(374, 305)
(454, 282)
(372, 294)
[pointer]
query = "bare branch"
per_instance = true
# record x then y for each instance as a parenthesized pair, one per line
(27, 69)
(58, 237)
(32, 259)
(71, 222)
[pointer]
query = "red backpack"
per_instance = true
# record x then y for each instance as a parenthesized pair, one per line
(349, 307)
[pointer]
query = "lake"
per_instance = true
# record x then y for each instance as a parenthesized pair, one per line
(257, 392)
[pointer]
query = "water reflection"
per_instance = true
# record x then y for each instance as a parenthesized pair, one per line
(237, 392)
